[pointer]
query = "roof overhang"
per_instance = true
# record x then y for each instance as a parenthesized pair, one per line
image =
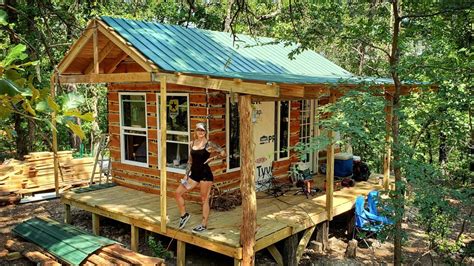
(101, 55)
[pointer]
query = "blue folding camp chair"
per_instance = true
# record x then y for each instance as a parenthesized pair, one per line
(365, 222)
(372, 202)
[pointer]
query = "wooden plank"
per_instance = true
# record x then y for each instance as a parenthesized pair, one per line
(180, 253)
(292, 91)
(67, 214)
(303, 243)
(95, 224)
(76, 48)
(247, 184)
(270, 90)
(130, 50)
(55, 138)
(289, 250)
(102, 55)
(95, 47)
(134, 238)
(330, 168)
(322, 234)
(237, 262)
(388, 131)
(114, 64)
(106, 78)
(276, 254)
(163, 118)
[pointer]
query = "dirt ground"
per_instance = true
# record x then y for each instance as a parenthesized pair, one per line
(415, 250)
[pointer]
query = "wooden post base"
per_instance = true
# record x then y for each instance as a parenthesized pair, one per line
(322, 234)
(67, 214)
(181, 253)
(134, 238)
(96, 224)
(290, 245)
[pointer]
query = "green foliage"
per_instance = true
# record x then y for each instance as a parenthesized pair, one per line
(158, 249)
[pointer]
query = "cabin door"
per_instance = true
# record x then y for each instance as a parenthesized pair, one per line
(308, 130)
(263, 117)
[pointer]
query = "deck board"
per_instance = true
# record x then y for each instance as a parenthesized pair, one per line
(277, 218)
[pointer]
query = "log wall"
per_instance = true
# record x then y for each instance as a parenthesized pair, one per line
(148, 178)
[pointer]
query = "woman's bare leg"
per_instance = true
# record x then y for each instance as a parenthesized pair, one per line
(178, 195)
(205, 191)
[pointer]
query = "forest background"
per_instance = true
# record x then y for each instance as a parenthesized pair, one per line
(423, 41)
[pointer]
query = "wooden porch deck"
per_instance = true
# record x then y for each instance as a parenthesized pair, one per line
(277, 218)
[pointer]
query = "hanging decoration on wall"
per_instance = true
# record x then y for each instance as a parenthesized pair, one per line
(173, 108)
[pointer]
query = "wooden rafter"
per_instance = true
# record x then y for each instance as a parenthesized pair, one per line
(112, 66)
(76, 48)
(236, 86)
(102, 55)
(126, 47)
(106, 78)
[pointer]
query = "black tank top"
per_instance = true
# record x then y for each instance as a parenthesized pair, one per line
(199, 170)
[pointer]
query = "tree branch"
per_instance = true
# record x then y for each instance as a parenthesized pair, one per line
(444, 11)
(272, 14)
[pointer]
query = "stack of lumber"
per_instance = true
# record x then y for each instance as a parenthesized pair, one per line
(36, 172)
(109, 255)
(12, 175)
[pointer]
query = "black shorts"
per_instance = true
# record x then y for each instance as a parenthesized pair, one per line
(202, 173)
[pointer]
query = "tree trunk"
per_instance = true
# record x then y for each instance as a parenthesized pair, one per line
(21, 137)
(399, 194)
(443, 150)
(228, 16)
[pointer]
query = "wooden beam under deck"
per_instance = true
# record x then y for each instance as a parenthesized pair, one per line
(277, 219)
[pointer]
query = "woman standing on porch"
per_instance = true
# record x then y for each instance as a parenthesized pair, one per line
(198, 172)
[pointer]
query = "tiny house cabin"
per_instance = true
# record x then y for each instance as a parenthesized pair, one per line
(188, 53)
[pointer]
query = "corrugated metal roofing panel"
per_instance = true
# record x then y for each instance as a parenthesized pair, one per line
(68, 243)
(204, 52)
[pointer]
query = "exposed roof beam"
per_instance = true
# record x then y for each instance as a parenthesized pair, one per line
(237, 86)
(116, 62)
(126, 47)
(107, 78)
(76, 48)
(102, 55)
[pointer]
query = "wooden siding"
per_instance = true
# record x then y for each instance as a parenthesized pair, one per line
(148, 178)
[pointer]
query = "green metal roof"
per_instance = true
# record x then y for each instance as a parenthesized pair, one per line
(203, 52)
(66, 242)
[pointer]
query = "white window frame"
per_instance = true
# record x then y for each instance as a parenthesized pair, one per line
(227, 136)
(123, 128)
(158, 111)
(277, 133)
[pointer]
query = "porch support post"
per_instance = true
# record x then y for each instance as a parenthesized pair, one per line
(67, 214)
(163, 153)
(96, 224)
(180, 253)
(330, 167)
(134, 237)
(388, 130)
(247, 183)
(55, 138)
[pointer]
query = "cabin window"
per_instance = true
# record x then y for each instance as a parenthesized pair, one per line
(177, 131)
(282, 129)
(233, 135)
(133, 129)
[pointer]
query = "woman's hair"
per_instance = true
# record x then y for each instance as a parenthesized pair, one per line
(195, 131)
